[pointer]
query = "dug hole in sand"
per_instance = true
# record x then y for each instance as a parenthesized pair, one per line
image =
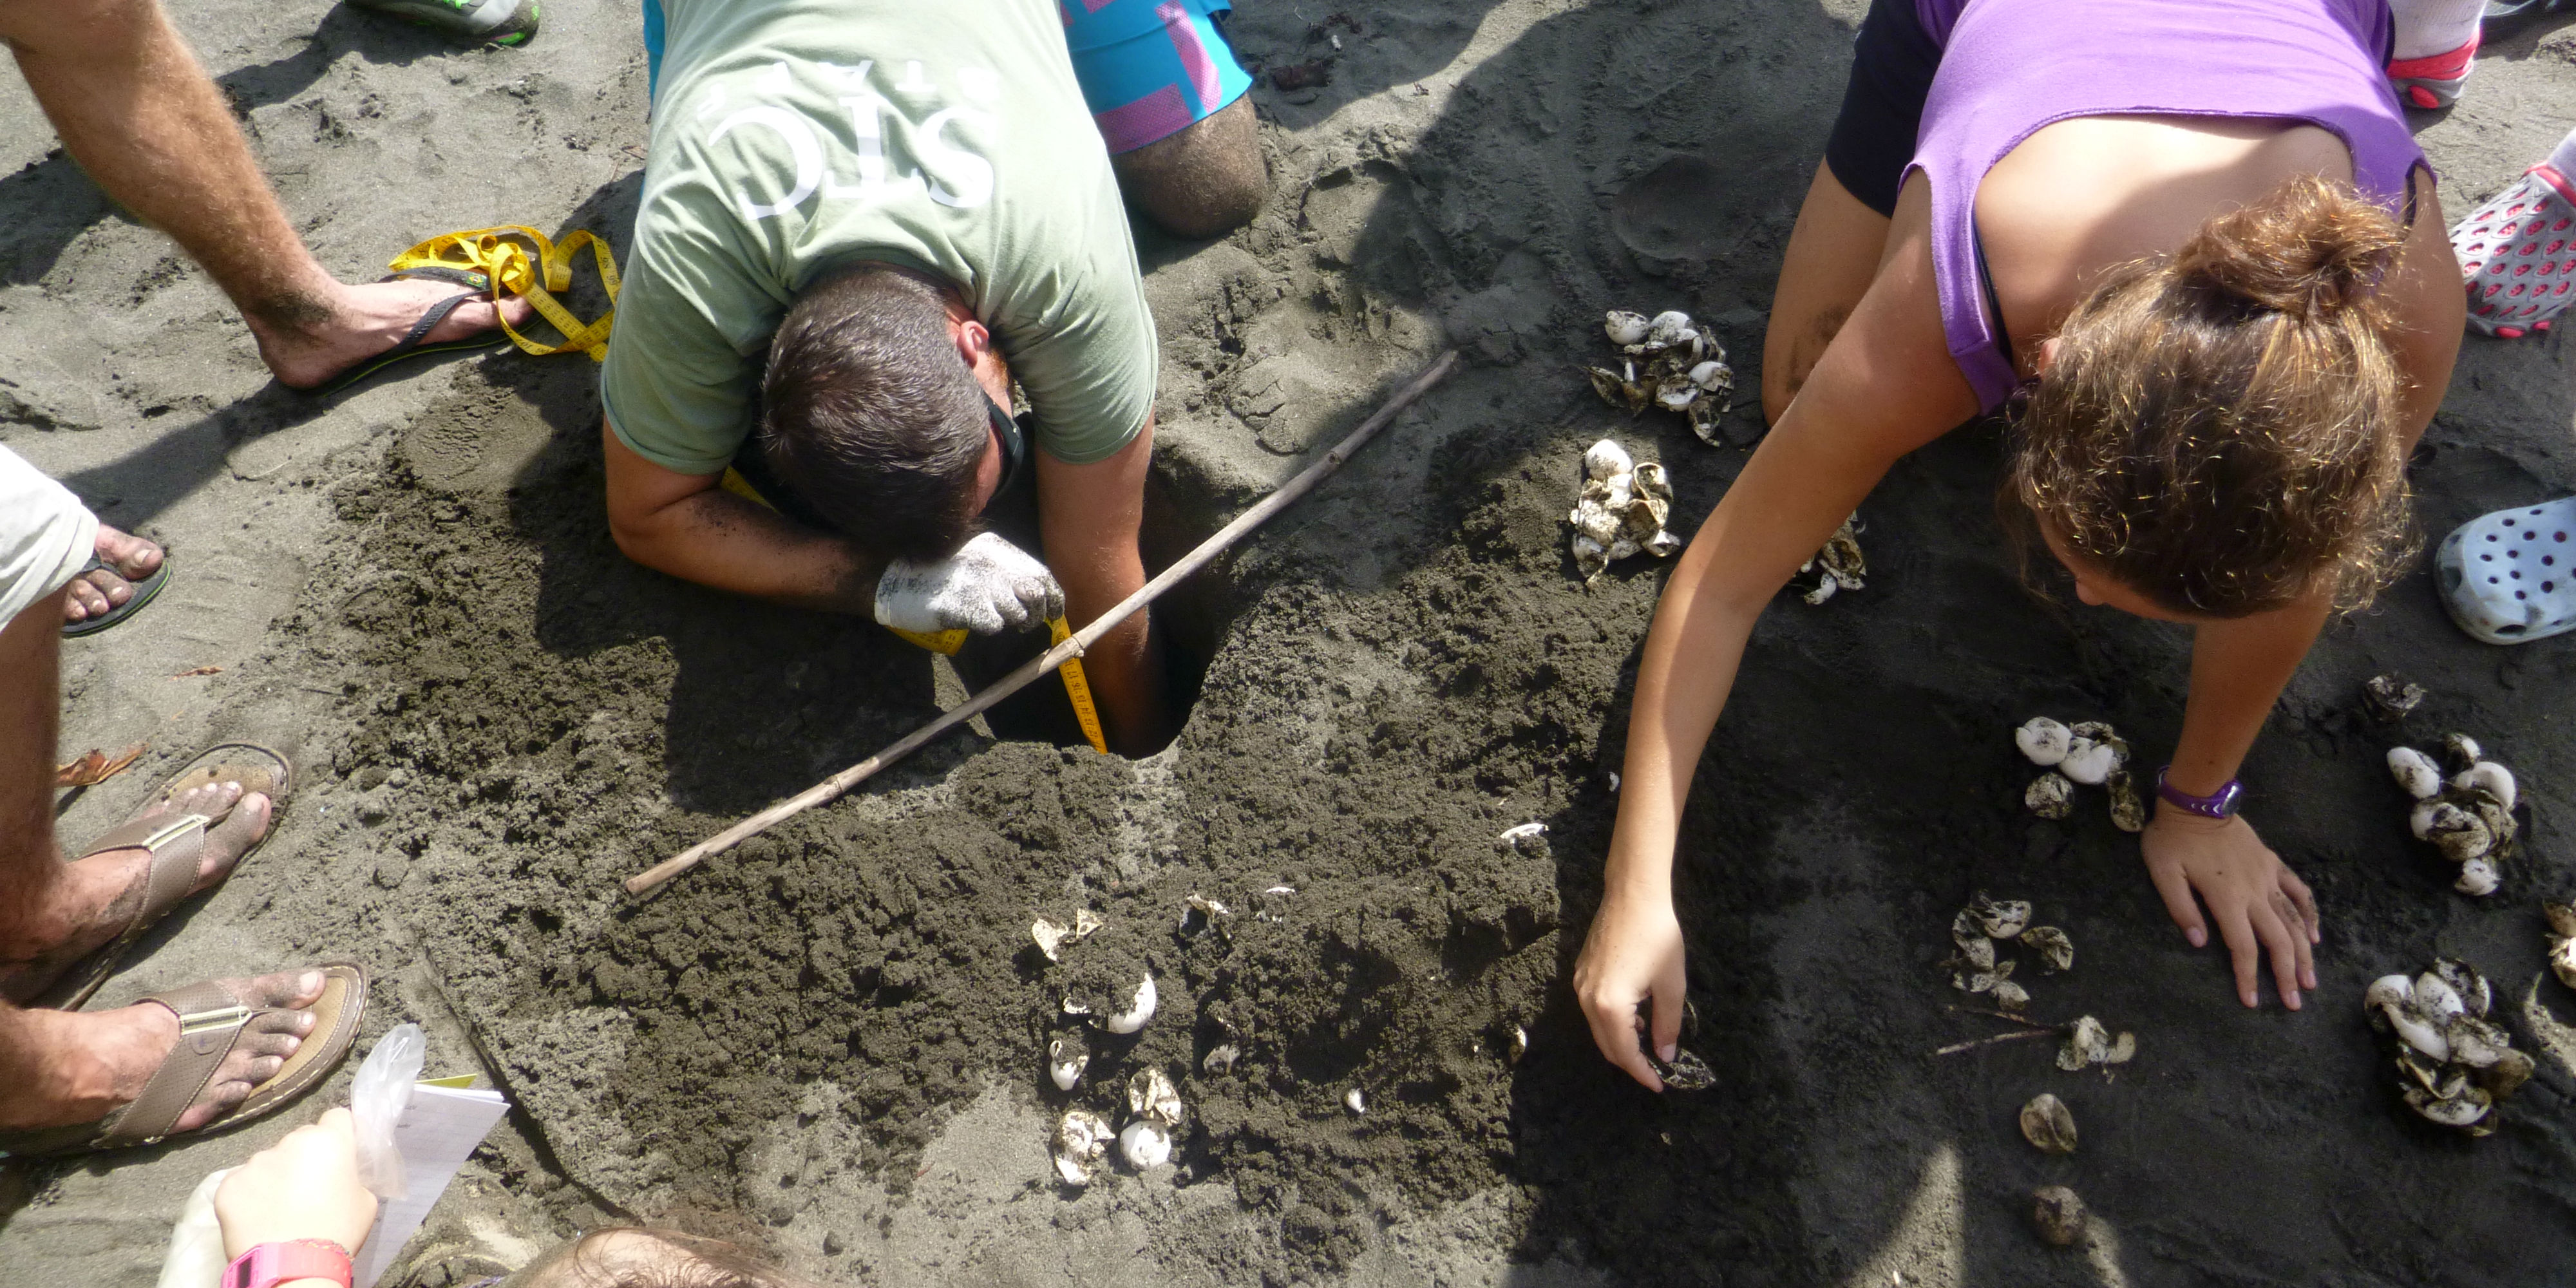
(832, 1040)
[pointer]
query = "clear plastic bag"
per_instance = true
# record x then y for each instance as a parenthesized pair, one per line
(377, 1100)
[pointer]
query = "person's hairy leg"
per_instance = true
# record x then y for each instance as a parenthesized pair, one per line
(1832, 257)
(52, 912)
(64, 1067)
(68, 1066)
(1205, 180)
(140, 115)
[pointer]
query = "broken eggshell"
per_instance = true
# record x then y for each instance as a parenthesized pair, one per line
(2047, 1123)
(2088, 762)
(2050, 795)
(2009, 996)
(1140, 1008)
(1081, 1140)
(2128, 813)
(2415, 772)
(2000, 918)
(2058, 1214)
(2478, 876)
(2043, 740)
(2562, 941)
(2056, 951)
(2089, 1043)
(2462, 749)
(1065, 1060)
(1625, 328)
(1150, 1094)
(2391, 698)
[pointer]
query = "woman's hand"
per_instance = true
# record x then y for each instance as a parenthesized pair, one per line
(2259, 904)
(303, 1187)
(1633, 955)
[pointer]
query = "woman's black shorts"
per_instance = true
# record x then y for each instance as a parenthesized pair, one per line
(1893, 59)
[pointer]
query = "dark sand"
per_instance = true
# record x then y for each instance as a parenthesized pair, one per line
(832, 1038)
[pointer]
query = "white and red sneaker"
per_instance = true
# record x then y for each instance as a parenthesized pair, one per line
(2517, 254)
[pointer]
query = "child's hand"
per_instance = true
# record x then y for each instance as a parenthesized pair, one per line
(1632, 956)
(303, 1187)
(2259, 904)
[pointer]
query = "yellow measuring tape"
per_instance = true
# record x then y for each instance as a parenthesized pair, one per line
(1077, 686)
(524, 262)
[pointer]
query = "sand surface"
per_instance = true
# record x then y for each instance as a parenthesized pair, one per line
(830, 1040)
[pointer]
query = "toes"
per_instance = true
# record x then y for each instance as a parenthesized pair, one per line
(127, 553)
(276, 1035)
(229, 1087)
(232, 838)
(285, 990)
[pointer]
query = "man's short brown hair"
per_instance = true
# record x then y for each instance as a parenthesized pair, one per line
(871, 417)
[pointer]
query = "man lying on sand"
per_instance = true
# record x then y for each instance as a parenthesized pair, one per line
(145, 123)
(81, 1080)
(908, 211)
(2218, 331)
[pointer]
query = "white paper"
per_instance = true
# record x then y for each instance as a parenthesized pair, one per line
(436, 1134)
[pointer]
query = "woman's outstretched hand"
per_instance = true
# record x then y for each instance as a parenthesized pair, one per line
(2259, 904)
(1632, 958)
(303, 1187)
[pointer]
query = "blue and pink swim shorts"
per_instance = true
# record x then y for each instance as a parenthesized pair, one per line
(1150, 68)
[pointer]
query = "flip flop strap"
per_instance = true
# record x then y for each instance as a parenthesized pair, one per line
(177, 846)
(211, 1020)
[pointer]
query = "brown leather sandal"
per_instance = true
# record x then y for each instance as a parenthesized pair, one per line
(178, 845)
(211, 1020)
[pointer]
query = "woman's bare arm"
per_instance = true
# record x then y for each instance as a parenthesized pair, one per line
(1885, 385)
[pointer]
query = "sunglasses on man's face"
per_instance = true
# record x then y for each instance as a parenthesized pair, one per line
(1015, 443)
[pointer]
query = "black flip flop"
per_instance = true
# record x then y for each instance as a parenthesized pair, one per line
(410, 346)
(144, 590)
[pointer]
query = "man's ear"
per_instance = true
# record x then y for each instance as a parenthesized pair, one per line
(973, 341)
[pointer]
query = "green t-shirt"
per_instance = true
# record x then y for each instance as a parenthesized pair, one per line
(792, 137)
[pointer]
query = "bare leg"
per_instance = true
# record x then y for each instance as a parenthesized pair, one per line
(65, 1067)
(138, 113)
(1832, 258)
(1206, 180)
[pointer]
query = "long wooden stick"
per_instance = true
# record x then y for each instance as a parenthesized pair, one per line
(651, 879)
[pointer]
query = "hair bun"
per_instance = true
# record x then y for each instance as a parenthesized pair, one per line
(2310, 249)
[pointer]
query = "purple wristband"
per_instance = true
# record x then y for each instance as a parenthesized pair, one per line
(2218, 804)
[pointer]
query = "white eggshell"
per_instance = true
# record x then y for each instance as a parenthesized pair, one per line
(2478, 876)
(1624, 327)
(1711, 376)
(1354, 1101)
(2415, 772)
(2419, 1033)
(1145, 1144)
(2389, 990)
(1606, 458)
(2489, 777)
(2044, 740)
(2435, 997)
(2089, 762)
(1138, 1011)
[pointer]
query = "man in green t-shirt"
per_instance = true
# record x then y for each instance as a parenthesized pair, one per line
(862, 221)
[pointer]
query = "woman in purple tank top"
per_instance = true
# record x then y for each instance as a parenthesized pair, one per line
(2192, 246)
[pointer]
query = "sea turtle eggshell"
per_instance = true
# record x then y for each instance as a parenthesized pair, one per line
(2043, 740)
(2415, 772)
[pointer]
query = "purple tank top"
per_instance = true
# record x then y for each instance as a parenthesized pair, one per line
(2009, 67)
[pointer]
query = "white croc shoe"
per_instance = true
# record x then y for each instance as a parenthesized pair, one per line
(2510, 577)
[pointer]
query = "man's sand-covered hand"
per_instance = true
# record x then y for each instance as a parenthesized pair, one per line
(989, 584)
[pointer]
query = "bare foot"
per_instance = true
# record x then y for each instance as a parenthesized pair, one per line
(129, 559)
(364, 321)
(91, 1063)
(97, 896)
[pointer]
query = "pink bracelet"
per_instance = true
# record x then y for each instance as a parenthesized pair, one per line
(269, 1264)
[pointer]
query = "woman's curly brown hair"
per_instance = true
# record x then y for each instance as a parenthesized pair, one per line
(2219, 429)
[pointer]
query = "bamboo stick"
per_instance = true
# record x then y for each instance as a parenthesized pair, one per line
(651, 879)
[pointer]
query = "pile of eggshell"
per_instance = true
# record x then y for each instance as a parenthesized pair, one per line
(2089, 753)
(1620, 511)
(1685, 370)
(1083, 1137)
(2454, 1065)
(1983, 924)
(1839, 566)
(2467, 816)
(2562, 941)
